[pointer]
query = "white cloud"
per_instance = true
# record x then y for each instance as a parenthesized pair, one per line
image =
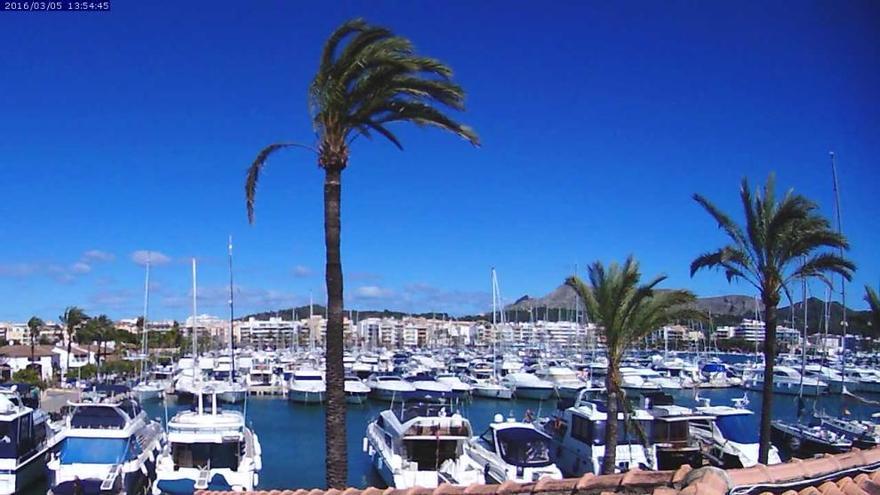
(154, 257)
(302, 271)
(18, 269)
(372, 292)
(96, 255)
(80, 267)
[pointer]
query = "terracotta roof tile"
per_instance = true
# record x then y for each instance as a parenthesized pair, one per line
(790, 492)
(680, 473)
(869, 486)
(584, 480)
(477, 489)
(664, 490)
(810, 490)
(606, 482)
(548, 485)
(829, 488)
(511, 487)
(372, 491)
(643, 479)
(755, 475)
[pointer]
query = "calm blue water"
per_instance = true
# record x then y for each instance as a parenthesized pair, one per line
(292, 435)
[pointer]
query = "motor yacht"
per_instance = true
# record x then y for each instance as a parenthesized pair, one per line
(106, 447)
(421, 445)
(510, 450)
(307, 386)
(208, 449)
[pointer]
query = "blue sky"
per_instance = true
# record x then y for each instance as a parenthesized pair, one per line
(131, 130)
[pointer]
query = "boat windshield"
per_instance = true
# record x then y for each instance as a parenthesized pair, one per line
(525, 447)
(739, 428)
(303, 378)
(77, 450)
(626, 434)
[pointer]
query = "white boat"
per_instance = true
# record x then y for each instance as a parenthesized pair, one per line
(730, 438)
(645, 379)
(484, 384)
(356, 391)
(459, 388)
(307, 386)
(429, 388)
(566, 381)
(96, 453)
(27, 442)
(149, 390)
(421, 445)
(786, 380)
(390, 388)
(513, 451)
(579, 434)
(208, 449)
(528, 386)
(231, 392)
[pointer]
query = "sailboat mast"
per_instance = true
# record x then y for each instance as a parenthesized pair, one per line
(843, 323)
(231, 317)
(144, 339)
(195, 335)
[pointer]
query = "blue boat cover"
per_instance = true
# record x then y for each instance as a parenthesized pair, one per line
(187, 486)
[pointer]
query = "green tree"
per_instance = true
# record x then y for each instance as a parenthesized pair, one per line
(628, 311)
(781, 242)
(367, 78)
(35, 324)
(874, 304)
(29, 376)
(72, 318)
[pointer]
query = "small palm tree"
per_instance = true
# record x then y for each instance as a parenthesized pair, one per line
(628, 311)
(781, 242)
(367, 78)
(874, 304)
(72, 318)
(35, 324)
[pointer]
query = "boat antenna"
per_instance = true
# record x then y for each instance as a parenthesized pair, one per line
(843, 323)
(195, 333)
(231, 317)
(144, 320)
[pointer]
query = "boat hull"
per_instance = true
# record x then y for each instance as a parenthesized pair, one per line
(232, 396)
(803, 446)
(24, 475)
(534, 393)
(492, 393)
(148, 395)
(389, 395)
(306, 396)
(356, 397)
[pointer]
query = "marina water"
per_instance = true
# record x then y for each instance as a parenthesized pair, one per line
(292, 435)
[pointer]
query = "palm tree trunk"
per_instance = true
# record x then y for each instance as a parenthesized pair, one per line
(335, 437)
(612, 385)
(33, 338)
(767, 392)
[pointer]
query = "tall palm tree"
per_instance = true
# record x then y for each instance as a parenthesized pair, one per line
(72, 318)
(874, 304)
(35, 324)
(781, 242)
(367, 78)
(628, 311)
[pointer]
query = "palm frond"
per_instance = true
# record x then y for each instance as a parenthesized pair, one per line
(724, 221)
(253, 173)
